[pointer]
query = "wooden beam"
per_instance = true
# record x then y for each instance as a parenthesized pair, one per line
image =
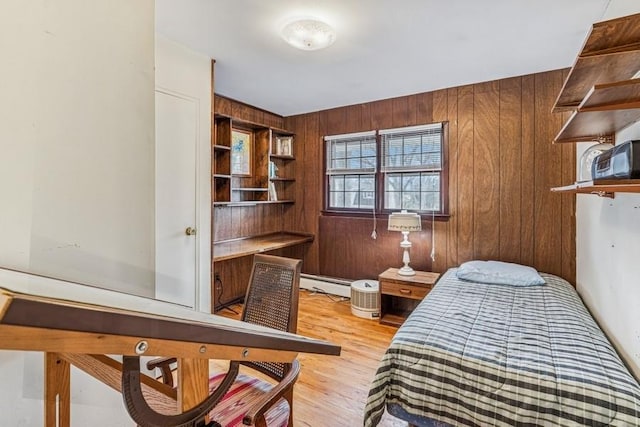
(57, 391)
(109, 371)
(37, 339)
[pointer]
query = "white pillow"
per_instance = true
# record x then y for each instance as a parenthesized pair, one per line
(501, 273)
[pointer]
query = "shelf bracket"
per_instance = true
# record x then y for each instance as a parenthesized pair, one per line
(604, 194)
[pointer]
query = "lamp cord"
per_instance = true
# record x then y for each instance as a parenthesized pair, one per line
(433, 235)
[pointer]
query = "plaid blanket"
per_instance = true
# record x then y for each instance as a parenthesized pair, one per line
(492, 355)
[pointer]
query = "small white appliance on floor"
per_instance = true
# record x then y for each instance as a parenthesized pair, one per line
(364, 299)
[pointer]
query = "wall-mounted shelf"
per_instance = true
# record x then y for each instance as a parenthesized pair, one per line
(606, 97)
(611, 53)
(604, 188)
(282, 179)
(252, 203)
(282, 157)
(250, 190)
(606, 109)
(217, 147)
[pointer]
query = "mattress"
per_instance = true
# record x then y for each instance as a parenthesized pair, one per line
(476, 354)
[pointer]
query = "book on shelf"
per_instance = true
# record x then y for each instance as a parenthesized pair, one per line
(273, 195)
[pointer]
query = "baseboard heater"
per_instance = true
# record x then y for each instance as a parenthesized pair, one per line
(329, 285)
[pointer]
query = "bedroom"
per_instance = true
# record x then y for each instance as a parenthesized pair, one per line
(483, 227)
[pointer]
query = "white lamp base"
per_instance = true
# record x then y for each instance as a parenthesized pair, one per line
(406, 271)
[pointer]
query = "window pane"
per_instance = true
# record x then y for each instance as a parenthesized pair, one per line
(367, 183)
(351, 199)
(419, 191)
(393, 182)
(367, 199)
(339, 164)
(430, 182)
(336, 183)
(411, 182)
(430, 201)
(411, 200)
(338, 150)
(336, 200)
(393, 201)
(353, 149)
(352, 183)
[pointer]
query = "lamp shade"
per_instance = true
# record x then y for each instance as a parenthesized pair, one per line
(404, 221)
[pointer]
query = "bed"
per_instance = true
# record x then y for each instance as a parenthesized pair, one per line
(477, 354)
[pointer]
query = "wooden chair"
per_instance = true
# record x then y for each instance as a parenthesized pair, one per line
(271, 300)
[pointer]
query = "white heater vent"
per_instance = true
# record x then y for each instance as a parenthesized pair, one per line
(364, 299)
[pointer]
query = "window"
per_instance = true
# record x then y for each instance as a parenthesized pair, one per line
(405, 166)
(351, 170)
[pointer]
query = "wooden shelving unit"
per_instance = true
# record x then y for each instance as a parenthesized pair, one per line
(611, 53)
(231, 189)
(606, 109)
(606, 98)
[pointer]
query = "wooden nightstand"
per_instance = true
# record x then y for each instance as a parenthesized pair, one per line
(399, 295)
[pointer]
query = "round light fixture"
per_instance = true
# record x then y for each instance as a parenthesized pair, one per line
(309, 34)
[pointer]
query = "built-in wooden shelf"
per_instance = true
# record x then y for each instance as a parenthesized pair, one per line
(282, 157)
(237, 248)
(217, 147)
(282, 179)
(606, 109)
(611, 53)
(604, 188)
(251, 190)
(221, 176)
(253, 203)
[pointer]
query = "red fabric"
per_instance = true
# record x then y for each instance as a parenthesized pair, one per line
(241, 396)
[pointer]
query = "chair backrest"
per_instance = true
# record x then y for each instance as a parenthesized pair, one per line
(272, 300)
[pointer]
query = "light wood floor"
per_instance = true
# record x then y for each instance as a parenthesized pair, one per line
(332, 391)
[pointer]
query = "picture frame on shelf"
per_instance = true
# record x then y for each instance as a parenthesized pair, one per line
(241, 141)
(286, 146)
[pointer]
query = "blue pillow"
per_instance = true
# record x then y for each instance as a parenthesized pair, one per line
(501, 273)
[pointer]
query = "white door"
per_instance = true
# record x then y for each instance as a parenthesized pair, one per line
(176, 161)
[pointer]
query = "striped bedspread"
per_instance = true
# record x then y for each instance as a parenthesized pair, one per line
(492, 355)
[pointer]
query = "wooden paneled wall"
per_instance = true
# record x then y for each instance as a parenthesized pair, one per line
(501, 166)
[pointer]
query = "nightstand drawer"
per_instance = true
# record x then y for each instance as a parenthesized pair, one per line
(404, 290)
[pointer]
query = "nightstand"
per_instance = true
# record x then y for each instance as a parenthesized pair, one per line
(399, 295)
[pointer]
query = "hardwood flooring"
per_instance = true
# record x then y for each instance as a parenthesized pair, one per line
(332, 391)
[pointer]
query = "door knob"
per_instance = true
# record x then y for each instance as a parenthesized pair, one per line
(190, 231)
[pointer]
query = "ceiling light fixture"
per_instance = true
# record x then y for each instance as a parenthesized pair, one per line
(309, 34)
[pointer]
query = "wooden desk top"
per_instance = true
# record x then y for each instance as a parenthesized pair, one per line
(45, 314)
(424, 278)
(237, 248)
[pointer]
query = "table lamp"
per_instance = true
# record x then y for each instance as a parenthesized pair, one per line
(405, 222)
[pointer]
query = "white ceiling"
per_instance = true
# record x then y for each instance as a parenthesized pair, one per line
(384, 48)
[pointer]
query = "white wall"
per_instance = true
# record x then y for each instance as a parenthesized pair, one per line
(608, 249)
(608, 263)
(186, 73)
(77, 141)
(76, 169)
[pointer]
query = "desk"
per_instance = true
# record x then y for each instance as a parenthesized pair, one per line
(236, 248)
(232, 261)
(77, 325)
